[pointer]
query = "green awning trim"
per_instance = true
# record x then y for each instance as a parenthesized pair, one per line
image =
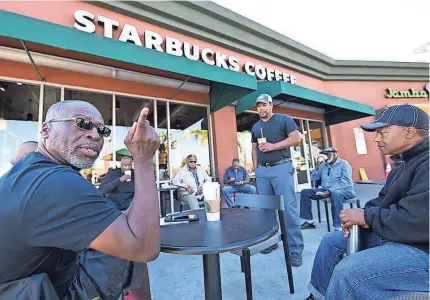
(42, 32)
(338, 110)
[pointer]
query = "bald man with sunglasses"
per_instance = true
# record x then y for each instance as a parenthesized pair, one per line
(64, 213)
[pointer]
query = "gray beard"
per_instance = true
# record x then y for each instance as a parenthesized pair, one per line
(67, 152)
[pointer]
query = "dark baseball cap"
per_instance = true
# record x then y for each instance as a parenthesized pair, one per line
(264, 98)
(404, 115)
(329, 150)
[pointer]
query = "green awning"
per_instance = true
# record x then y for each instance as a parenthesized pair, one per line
(336, 110)
(226, 86)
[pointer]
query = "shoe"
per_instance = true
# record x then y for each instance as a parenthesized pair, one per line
(311, 297)
(296, 259)
(270, 249)
(308, 225)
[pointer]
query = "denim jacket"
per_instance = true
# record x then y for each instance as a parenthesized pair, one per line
(335, 177)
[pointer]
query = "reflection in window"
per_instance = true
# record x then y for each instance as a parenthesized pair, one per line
(103, 102)
(189, 135)
(19, 114)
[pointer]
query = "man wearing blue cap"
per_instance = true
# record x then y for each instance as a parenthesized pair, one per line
(335, 174)
(272, 137)
(396, 259)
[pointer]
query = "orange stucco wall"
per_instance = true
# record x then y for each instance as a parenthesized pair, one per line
(224, 121)
(342, 135)
(64, 77)
(225, 138)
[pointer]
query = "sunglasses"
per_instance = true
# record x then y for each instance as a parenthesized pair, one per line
(192, 161)
(86, 125)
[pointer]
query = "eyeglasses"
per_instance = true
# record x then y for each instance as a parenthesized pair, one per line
(86, 125)
(328, 173)
(192, 161)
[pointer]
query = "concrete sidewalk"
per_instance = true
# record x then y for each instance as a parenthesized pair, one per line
(180, 277)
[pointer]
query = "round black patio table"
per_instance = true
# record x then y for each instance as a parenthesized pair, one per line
(237, 229)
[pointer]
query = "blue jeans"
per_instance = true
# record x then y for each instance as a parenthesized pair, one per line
(387, 270)
(227, 190)
(278, 180)
(337, 198)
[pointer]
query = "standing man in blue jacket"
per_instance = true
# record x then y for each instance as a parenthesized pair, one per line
(336, 182)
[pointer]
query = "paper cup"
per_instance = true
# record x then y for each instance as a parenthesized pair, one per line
(212, 208)
(128, 172)
(261, 140)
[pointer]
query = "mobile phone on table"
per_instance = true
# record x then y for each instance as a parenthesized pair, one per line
(182, 217)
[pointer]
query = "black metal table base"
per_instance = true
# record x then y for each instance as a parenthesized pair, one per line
(212, 276)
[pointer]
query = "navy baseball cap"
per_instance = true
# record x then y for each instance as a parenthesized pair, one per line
(264, 98)
(404, 115)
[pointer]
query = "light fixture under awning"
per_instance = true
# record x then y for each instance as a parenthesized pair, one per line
(336, 109)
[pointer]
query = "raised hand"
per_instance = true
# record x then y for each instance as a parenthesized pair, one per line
(142, 140)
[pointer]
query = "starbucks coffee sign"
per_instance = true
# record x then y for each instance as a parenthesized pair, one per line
(86, 21)
(411, 93)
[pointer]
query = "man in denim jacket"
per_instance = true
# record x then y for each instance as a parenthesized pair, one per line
(335, 175)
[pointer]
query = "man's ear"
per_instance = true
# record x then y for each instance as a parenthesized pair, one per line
(410, 132)
(45, 131)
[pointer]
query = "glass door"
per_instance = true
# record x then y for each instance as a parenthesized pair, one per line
(301, 162)
(305, 153)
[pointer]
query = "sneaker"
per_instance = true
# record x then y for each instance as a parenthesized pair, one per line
(311, 297)
(296, 259)
(308, 225)
(270, 249)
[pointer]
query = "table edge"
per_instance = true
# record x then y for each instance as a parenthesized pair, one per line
(221, 249)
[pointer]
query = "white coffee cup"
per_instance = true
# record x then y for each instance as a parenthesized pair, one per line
(128, 172)
(211, 193)
(261, 140)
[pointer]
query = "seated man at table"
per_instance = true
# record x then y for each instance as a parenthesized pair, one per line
(118, 185)
(65, 215)
(398, 220)
(191, 178)
(97, 269)
(336, 182)
(237, 180)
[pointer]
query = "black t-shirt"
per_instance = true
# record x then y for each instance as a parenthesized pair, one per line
(48, 214)
(275, 130)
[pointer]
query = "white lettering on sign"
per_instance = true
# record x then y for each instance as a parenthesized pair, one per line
(86, 22)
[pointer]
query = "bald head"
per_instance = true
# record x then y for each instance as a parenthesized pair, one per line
(68, 108)
(24, 149)
(64, 137)
(126, 163)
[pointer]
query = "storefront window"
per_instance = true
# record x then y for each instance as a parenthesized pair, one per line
(103, 102)
(316, 140)
(51, 95)
(189, 135)
(19, 116)
(163, 152)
